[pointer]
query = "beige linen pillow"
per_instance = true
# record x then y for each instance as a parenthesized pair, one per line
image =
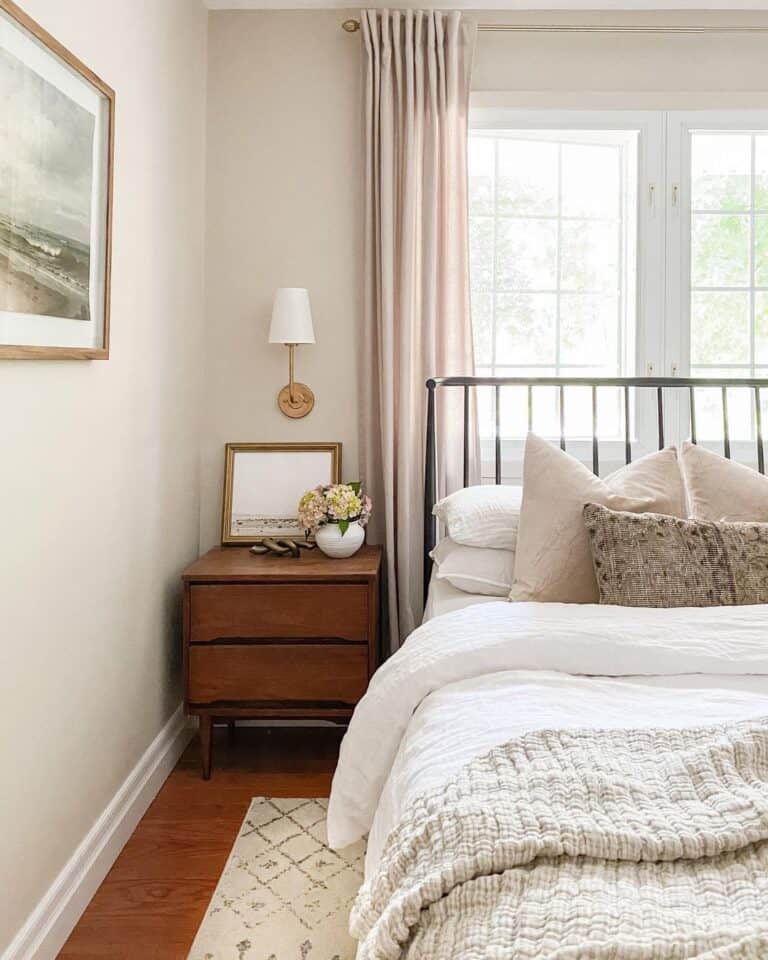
(554, 561)
(719, 489)
(646, 560)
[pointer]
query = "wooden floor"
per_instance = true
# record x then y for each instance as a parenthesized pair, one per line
(154, 897)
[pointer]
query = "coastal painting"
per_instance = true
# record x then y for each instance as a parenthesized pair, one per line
(46, 177)
(55, 166)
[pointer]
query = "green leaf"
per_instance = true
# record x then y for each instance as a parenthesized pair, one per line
(343, 526)
(356, 486)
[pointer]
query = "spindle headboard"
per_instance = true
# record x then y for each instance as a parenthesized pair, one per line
(658, 386)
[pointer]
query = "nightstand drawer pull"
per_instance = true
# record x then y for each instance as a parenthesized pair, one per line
(219, 611)
(284, 672)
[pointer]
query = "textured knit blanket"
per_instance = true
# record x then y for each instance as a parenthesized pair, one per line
(576, 844)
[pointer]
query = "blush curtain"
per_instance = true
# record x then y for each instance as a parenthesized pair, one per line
(417, 317)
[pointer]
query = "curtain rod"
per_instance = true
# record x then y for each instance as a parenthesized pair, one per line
(352, 26)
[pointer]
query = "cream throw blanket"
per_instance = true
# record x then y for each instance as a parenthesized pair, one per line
(567, 845)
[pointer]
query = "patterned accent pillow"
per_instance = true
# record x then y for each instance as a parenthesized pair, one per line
(651, 560)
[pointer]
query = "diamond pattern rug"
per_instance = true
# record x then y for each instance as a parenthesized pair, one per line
(283, 894)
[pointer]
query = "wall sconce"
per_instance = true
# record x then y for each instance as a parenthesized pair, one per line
(291, 325)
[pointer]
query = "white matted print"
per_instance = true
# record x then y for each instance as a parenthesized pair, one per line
(263, 483)
(55, 171)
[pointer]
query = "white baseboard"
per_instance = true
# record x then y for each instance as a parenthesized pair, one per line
(53, 919)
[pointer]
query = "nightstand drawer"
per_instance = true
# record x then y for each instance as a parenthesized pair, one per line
(334, 611)
(277, 672)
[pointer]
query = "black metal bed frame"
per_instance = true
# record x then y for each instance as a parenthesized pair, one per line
(659, 384)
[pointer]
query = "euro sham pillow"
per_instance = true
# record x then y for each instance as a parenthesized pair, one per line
(481, 570)
(719, 489)
(648, 560)
(482, 516)
(553, 562)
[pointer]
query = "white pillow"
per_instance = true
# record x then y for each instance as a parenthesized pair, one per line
(554, 559)
(483, 516)
(474, 569)
(719, 489)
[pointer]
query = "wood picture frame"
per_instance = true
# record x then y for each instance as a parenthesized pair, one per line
(56, 232)
(263, 483)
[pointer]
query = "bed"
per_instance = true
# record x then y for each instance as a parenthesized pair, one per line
(562, 780)
(443, 597)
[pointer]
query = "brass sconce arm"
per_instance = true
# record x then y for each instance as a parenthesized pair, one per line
(295, 400)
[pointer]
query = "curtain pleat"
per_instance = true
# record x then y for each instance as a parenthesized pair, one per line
(417, 316)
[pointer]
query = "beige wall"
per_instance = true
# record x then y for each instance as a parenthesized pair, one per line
(283, 209)
(638, 70)
(98, 467)
(284, 183)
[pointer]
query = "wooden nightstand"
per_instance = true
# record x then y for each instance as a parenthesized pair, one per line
(278, 638)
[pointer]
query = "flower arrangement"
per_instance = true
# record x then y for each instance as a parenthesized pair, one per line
(341, 503)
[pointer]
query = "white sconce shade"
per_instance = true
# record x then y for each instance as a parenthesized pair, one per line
(291, 317)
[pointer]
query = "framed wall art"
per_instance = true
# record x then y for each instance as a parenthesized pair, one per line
(56, 148)
(263, 483)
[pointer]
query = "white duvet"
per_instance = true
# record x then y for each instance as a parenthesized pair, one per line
(471, 679)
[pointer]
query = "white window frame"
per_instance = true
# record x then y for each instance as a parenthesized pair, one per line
(678, 204)
(679, 125)
(663, 248)
(650, 252)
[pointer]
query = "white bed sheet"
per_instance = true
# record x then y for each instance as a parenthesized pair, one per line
(443, 597)
(467, 680)
(485, 711)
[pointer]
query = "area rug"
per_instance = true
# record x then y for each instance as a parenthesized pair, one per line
(283, 894)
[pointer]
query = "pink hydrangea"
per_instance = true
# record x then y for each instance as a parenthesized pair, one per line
(334, 503)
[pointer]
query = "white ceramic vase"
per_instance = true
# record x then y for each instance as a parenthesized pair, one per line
(333, 544)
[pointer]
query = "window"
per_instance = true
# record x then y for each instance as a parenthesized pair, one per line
(614, 244)
(729, 252)
(553, 238)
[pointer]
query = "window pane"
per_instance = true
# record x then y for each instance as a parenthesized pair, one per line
(721, 171)
(720, 328)
(588, 330)
(526, 254)
(481, 253)
(709, 407)
(482, 327)
(480, 162)
(761, 251)
(591, 181)
(730, 173)
(589, 255)
(578, 408)
(525, 327)
(761, 328)
(514, 407)
(514, 400)
(527, 177)
(546, 412)
(719, 250)
(610, 412)
(761, 172)
(484, 400)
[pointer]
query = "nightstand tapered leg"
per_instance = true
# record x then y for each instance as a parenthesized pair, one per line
(206, 743)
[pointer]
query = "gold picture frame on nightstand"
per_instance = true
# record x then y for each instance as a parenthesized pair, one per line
(263, 483)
